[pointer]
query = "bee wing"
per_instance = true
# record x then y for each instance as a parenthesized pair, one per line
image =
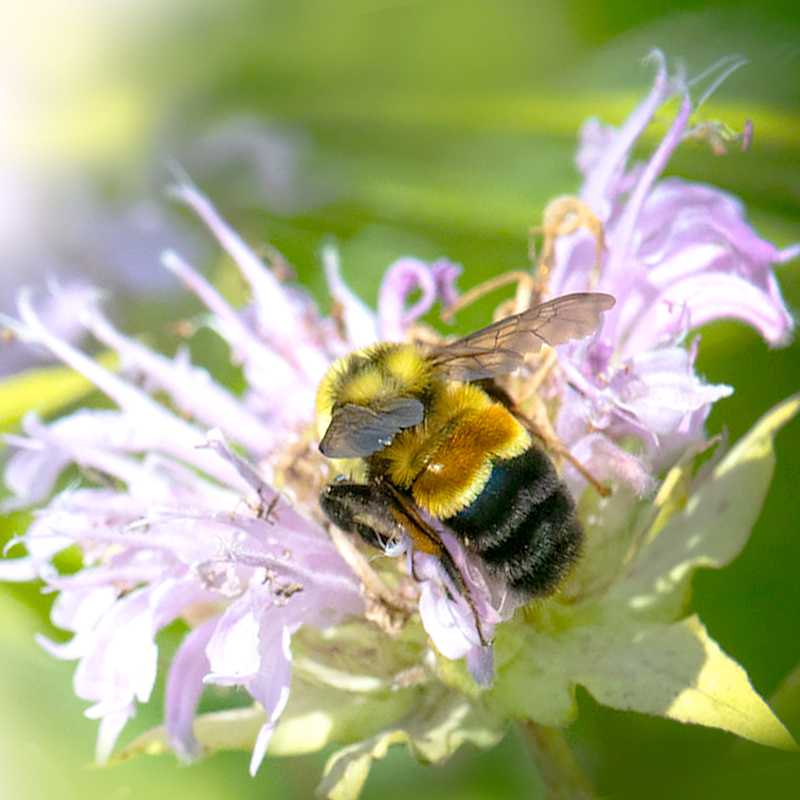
(357, 431)
(500, 348)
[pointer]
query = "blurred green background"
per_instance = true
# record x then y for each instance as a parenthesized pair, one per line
(394, 127)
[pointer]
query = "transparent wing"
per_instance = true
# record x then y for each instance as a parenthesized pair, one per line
(500, 348)
(358, 431)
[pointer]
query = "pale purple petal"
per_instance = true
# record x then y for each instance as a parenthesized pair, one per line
(449, 623)
(271, 688)
(677, 256)
(121, 666)
(480, 663)
(246, 348)
(788, 254)
(595, 142)
(446, 273)
(26, 568)
(111, 724)
(232, 650)
(447, 616)
(269, 293)
(658, 389)
(191, 388)
(700, 213)
(280, 323)
(185, 684)
(622, 240)
(696, 301)
(33, 469)
(575, 256)
(175, 435)
(117, 665)
(57, 316)
(101, 440)
(404, 277)
(83, 611)
(66, 520)
(608, 164)
(271, 377)
(361, 325)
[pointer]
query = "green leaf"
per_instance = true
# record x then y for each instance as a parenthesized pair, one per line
(315, 716)
(619, 647)
(678, 671)
(713, 525)
(318, 715)
(670, 670)
(723, 697)
(222, 730)
(786, 700)
(532, 678)
(440, 723)
(44, 391)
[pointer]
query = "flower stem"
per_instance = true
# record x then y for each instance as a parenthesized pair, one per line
(556, 762)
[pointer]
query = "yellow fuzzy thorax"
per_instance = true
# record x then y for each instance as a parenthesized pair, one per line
(447, 460)
(370, 375)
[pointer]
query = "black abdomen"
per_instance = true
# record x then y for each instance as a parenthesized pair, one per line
(523, 524)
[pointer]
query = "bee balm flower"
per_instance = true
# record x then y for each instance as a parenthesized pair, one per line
(198, 507)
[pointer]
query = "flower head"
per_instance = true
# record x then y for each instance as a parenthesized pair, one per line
(193, 532)
(676, 255)
(197, 507)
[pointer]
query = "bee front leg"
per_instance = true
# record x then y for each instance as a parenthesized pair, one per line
(379, 514)
(354, 510)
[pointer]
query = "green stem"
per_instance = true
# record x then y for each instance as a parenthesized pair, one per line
(556, 762)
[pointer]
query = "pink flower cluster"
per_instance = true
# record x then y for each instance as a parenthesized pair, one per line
(174, 525)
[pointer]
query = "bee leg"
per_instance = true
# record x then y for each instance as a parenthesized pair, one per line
(378, 513)
(533, 384)
(363, 511)
(539, 425)
(426, 540)
(537, 422)
(454, 573)
(268, 512)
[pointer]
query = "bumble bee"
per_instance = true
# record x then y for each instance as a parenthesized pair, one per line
(423, 433)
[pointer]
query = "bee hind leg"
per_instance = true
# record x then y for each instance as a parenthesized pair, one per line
(426, 540)
(537, 422)
(454, 573)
